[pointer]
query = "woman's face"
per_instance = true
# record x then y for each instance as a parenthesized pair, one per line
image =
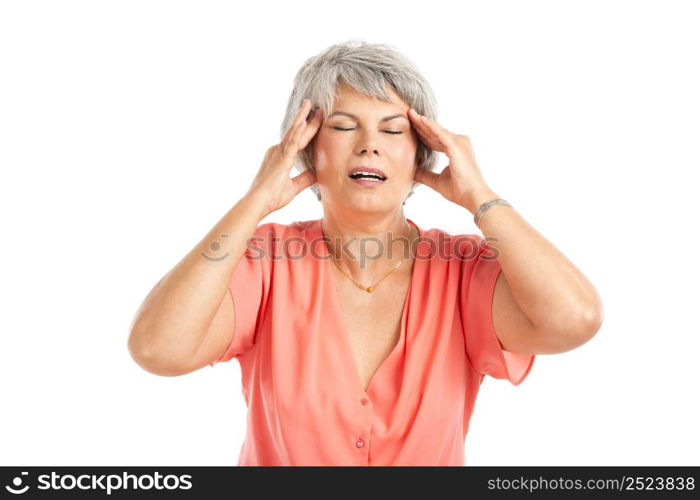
(368, 140)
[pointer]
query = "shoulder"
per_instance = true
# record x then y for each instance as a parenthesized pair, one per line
(436, 243)
(276, 240)
(280, 229)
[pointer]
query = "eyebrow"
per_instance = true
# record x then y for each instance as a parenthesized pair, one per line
(356, 118)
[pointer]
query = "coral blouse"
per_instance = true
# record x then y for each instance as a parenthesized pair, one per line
(306, 404)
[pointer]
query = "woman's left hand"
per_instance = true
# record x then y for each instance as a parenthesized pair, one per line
(460, 181)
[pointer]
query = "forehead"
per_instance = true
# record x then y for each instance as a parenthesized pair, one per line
(347, 96)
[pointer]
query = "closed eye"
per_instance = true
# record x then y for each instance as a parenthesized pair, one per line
(387, 131)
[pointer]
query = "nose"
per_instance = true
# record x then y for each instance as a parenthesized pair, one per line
(372, 149)
(368, 144)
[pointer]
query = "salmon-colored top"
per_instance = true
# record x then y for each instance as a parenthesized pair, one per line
(306, 404)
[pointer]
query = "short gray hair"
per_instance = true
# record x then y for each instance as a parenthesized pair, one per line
(367, 68)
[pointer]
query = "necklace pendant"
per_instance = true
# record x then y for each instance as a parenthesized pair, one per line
(370, 289)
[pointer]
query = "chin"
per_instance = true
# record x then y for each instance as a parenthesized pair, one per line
(372, 204)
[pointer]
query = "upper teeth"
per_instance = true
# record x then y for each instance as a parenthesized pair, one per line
(367, 174)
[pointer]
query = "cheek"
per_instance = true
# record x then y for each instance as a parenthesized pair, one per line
(321, 160)
(406, 155)
(328, 149)
(320, 152)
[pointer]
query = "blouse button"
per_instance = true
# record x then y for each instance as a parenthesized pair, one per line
(364, 401)
(360, 443)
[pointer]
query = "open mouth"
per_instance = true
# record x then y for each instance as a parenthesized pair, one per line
(368, 176)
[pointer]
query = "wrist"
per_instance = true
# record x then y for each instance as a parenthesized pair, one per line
(257, 203)
(473, 200)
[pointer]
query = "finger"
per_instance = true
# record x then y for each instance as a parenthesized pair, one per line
(440, 134)
(426, 134)
(425, 126)
(291, 148)
(429, 139)
(311, 128)
(417, 121)
(298, 119)
(303, 133)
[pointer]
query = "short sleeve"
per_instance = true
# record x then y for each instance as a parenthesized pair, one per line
(483, 348)
(249, 285)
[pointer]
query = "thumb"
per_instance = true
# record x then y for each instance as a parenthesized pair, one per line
(426, 177)
(304, 180)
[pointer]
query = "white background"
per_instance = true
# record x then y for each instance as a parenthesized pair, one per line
(127, 129)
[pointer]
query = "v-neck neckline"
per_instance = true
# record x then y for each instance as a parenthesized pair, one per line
(338, 312)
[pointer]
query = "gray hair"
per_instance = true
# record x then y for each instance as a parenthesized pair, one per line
(368, 69)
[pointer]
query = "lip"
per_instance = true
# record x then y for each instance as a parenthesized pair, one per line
(367, 169)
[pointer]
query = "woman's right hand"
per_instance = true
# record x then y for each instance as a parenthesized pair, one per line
(272, 184)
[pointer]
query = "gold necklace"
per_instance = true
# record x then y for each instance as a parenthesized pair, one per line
(368, 289)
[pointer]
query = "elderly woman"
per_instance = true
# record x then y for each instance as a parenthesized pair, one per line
(363, 338)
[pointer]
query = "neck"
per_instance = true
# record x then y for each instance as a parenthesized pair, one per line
(366, 245)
